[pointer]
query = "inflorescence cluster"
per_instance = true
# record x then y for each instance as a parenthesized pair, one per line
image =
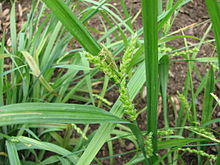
(106, 63)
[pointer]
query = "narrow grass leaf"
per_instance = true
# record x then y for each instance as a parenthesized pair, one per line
(169, 13)
(73, 25)
(211, 121)
(92, 11)
(178, 142)
(25, 113)
(214, 13)
(51, 42)
(206, 59)
(216, 98)
(51, 159)
(218, 156)
(164, 74)
(127, 15)
(73, 67)
(36, 71)
(136, 131)
(64, 161)
(2, 70)
(13, 28)
(27, 143)
(12, 153)
(207, 106)
(171, 38)
(150, 13)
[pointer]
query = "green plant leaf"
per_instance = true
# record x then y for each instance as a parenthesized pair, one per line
(12, 153)
(177, 142)
(25, 113)
(207, 106)
(216, 98)
(13, 28)
(169, 13)
(214, 13)
(150, 13)
(23, 143)
(136, 131)
(73, 25)
(36, 70)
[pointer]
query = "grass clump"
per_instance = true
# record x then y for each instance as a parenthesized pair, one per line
(46, 85)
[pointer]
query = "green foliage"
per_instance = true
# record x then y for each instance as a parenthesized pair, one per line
(213, 9)
(150, 14)
(53, 113)
(44, 68)
(104, 61)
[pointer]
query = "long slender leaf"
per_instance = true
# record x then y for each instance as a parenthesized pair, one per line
(136, 131)
(25, 113)
(169, 13)
(13, 28)
(2, 70)
(12, 153)
(36, 70)
(28, 143)
(214, 13)
(150, 12)
(207, 107)
(73, 25)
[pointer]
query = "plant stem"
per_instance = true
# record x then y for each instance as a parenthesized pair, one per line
(150, 12)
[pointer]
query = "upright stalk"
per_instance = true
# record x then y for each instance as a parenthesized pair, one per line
(213, 7)
(2, 70)
(150, 12)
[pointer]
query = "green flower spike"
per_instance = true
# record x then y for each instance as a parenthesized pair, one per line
(106, 63)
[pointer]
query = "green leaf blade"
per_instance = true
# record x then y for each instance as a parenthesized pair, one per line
(150, 13)
(214, 13)
(12, 153)
(27, 113)
(73, 25)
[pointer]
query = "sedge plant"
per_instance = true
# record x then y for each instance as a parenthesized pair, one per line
(42, 70)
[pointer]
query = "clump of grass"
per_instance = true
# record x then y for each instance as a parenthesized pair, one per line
(42, 70)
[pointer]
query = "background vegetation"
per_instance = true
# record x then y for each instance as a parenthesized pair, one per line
(58, 69)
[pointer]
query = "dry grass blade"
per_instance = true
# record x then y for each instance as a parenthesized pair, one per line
(36, 71)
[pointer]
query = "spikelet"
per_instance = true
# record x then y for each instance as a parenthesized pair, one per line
(104, 66)
(106, 63)
(102, 99)
(127, 57)
(127, 102)
(166, 132)
(185, 102)
(79, 131)
(107, 57)
(198, 152)
(203, 132)
(149, 145)
(185, 52)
